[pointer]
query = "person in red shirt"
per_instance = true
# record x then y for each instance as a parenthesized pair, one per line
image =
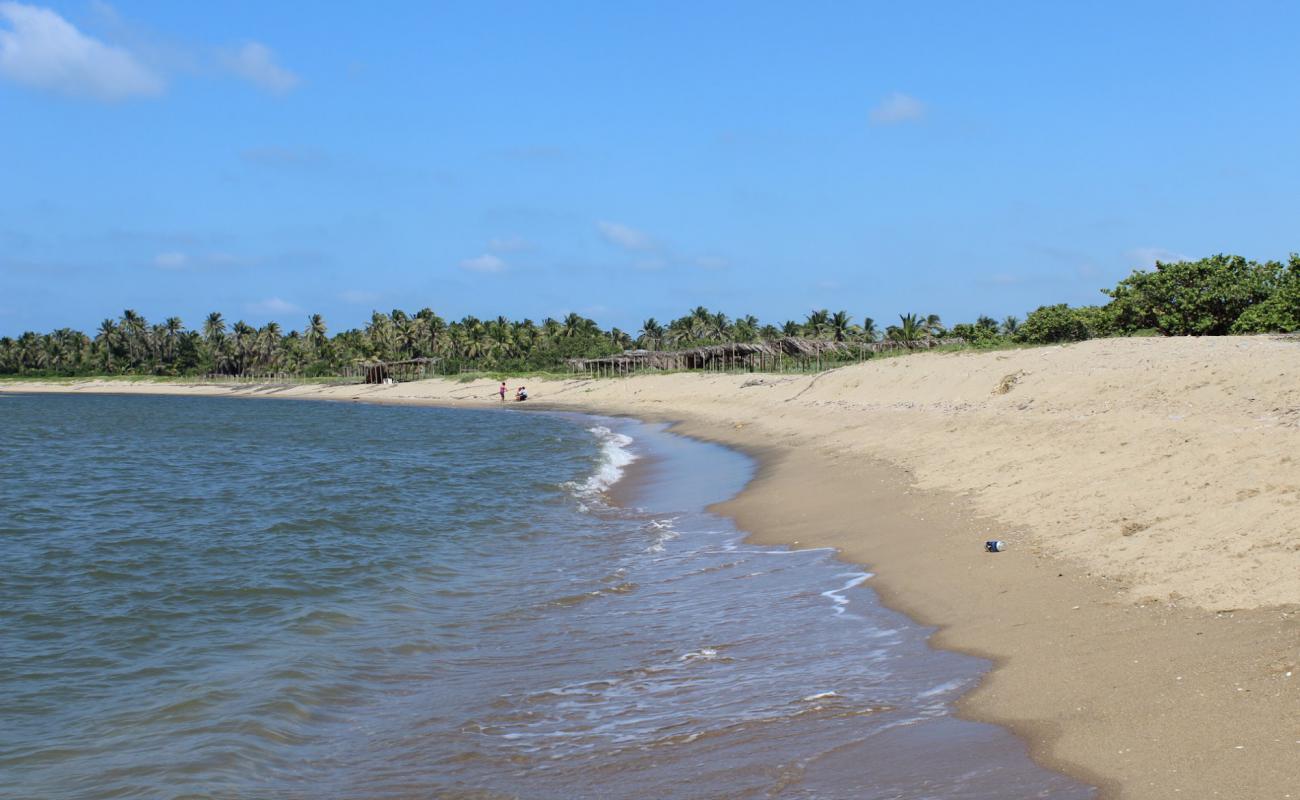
(503, 391)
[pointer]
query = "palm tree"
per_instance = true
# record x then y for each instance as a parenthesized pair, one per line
(620, 339)
(107, 338)
(573, 325)
(840, 325)
(869, 330)
(745, 329)
(681, 331)
(933, 325)
(245, 346)
(437, 328)
(719, 327)
(910, 330)
(317, 333)
(133, 327)
(817, 323)
(172, 329)
(214, 327)
(652, 334)
(269, 344)
(1010, 325)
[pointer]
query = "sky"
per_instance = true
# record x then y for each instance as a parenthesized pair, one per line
(632, 159)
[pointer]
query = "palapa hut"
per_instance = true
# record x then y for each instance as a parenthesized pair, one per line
(411, 369)
(760, 356)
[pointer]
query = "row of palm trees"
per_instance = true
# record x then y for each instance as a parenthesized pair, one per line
(130, 345)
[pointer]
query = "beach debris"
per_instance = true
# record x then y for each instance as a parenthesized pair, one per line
(1009, 382)
(995, 546)
(1130, 528)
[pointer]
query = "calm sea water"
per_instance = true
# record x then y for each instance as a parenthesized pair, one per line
(221, 598)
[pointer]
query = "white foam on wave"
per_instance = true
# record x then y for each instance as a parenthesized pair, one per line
(820, 696)
(837, 595)
(615, 455)
(703, 654)
(663, 531)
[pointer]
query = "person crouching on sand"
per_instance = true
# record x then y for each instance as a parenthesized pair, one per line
(521, 394)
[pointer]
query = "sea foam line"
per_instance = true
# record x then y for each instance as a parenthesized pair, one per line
(836, 595)
(614, 456)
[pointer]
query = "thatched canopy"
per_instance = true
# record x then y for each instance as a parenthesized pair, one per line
(379, 371)
(744, 353)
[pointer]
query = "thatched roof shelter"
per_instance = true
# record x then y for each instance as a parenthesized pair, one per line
(406, 370)
(748, 354)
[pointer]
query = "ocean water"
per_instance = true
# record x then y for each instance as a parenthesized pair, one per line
(206, 597)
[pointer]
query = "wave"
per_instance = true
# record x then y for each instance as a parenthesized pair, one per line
(615, 455)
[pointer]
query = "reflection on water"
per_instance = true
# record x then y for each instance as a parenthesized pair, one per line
(238, 599)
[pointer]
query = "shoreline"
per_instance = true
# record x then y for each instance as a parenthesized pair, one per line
(1106, 681)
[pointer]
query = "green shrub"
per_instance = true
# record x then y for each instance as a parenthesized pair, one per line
(1192, 298)
(1280, 313)
(1058, 323)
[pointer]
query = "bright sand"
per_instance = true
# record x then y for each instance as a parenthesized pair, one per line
(1145, 620)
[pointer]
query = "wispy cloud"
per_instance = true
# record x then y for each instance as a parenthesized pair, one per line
(255, 63)
(510, 244)
(359, 297)
(42, 50)
(484, 263)
(897, 108)
(1148, 256)
(624, 236)
(172, 260)
(273, 305)
(180, 260)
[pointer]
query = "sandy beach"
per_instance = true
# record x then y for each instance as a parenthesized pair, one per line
(1145, 619)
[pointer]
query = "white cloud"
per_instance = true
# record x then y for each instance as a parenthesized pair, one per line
(178, 260)
(273, 305)
(484, 263)
(255, 63)
(42, 50)
(623, 236)
(1147, 257)
(172, 260)
(510, 244)
(358, 297)
(896, 109)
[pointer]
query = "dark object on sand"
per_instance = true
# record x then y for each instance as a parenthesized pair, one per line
(995, 546)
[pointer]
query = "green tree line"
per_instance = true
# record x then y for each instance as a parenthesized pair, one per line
(1217, 295)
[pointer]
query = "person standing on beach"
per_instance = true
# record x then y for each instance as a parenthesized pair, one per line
(503, 391)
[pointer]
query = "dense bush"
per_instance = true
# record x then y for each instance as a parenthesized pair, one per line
(1058, 323)
(1193, 298)
(1280, 312)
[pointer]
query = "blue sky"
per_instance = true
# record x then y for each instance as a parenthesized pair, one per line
(627, 160)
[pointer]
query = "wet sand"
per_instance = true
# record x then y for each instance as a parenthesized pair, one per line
(1144, 621)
